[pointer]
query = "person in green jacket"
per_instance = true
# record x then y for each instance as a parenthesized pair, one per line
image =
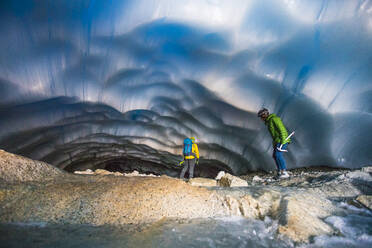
(280, 139)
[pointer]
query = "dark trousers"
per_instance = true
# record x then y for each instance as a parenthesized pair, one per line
(189, 163)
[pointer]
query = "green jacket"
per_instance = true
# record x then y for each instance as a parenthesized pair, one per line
(277, 129)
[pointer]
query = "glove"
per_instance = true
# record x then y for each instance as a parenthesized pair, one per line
(180, 163)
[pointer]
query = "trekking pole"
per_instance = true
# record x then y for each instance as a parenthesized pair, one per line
(280, 147)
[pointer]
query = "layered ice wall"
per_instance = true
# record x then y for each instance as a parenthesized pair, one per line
(88, 84)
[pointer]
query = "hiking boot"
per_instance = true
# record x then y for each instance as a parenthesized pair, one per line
(284, 174)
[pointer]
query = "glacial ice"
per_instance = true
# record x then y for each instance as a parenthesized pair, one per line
(86, 82)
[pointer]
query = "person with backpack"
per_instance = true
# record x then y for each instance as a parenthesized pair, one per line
(280, 139)
(190, 156)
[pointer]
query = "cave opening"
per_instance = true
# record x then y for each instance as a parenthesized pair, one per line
(127, 164)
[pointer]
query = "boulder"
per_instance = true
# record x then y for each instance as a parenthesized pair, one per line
(199, 181)
(366, 200)
(300, 216)
(220, 175)
(257, 179)
(359, 175)
(228, 180)
(367, 169)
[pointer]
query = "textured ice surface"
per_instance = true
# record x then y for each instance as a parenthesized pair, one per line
(84, 82)
(354, 231)
(228, 232)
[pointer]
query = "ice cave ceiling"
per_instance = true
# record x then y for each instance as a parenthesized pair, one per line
(92, 84)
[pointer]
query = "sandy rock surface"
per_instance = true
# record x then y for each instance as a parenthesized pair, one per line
(199, 181)
(32, 191)
(15, 168)
(106, 200)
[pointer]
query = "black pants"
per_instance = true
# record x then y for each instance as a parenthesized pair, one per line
(189, 163)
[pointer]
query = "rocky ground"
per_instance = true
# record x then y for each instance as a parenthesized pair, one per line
(32, 191)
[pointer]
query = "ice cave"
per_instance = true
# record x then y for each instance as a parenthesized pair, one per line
(119, 84)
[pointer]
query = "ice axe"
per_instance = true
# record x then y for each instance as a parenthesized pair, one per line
(280, 147)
